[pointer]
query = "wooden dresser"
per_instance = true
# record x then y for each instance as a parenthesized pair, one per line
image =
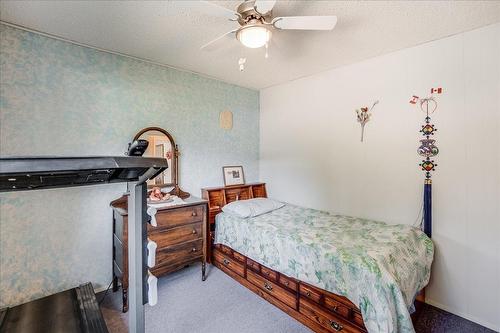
(181, 237)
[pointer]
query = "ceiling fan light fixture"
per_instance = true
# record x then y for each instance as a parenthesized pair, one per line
(254, 36)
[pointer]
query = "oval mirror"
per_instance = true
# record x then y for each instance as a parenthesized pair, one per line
(161, 144)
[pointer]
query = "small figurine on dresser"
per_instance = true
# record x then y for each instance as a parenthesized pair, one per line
(157, 196)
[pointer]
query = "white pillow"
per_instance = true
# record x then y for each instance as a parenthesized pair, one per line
(251, 207)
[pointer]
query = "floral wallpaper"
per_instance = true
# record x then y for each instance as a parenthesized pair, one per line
(57, 98)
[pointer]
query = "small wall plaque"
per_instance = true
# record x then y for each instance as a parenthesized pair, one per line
(226, 120)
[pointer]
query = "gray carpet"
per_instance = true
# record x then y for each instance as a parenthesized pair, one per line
(222, 305)
(217, 305)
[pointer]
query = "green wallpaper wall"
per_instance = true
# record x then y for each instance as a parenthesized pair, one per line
(57, 98)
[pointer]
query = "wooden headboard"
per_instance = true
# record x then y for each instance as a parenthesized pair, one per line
(218, 197)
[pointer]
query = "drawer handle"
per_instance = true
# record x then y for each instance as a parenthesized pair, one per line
(308, 293)
(193, 249)
(335, 308)
(194, 231)
(336, 326)
(193, 214)
(225, 261)
(286, 283)
(268, 287)
(267, 273)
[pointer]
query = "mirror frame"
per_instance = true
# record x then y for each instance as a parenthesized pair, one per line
(174, 165)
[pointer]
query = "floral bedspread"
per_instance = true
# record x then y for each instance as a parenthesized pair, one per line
(377, 266)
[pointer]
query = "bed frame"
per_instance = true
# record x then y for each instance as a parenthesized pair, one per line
(318, 309)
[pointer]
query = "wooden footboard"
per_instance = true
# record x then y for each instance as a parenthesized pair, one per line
(316, 308)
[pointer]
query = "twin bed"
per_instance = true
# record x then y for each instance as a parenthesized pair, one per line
(331, 272)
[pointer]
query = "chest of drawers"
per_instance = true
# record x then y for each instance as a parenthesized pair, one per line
(180, 235)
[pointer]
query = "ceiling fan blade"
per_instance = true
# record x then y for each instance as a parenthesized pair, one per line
(216, 10)
(212, 45)
(264, 6)
(305, 22)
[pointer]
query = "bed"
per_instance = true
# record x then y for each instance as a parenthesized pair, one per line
(331, 272)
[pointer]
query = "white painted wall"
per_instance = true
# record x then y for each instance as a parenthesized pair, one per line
(311, 155)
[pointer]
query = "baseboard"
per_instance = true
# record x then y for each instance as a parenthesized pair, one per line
(476, 320)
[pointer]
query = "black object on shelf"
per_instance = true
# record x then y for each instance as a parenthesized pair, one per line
(137, 147)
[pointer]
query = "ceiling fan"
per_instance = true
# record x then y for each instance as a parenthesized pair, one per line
(256, 22)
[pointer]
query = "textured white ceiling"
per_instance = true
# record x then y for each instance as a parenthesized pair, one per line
(171, 32)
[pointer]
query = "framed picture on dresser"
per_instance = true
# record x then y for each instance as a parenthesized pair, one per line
(233, 175)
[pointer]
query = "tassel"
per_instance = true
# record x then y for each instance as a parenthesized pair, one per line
(428, 207)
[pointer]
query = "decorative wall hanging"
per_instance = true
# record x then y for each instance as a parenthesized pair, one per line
(363, 116)
(427, 150)
(226, 120)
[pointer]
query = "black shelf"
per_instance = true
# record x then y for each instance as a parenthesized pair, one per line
(32, 173)
(72, 311)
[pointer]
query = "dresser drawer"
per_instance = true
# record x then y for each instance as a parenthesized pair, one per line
(238, 257)
(288, 282)
(176, 254)
(268, 273)
(357, 318)
(329, 321)
(273, 289)
(253, 265)
(341, 299)
(310, 293)
(177, 235)
(226, 250)
(169, 218)
(229, 262)
(337, 307)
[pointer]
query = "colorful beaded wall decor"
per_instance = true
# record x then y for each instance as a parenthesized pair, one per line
(427, 150)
